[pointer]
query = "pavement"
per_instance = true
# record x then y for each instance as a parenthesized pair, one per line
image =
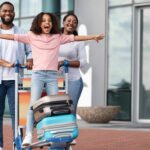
(111, 136)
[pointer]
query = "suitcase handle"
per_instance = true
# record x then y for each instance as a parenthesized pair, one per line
(62, 112)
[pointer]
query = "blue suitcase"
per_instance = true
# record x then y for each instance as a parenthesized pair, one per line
(62, 128)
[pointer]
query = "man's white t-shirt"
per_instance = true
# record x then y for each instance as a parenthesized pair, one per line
(8, 49)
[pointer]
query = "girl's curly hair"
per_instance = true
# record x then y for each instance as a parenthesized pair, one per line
(35, 27)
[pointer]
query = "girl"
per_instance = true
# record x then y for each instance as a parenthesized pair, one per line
(45, 40)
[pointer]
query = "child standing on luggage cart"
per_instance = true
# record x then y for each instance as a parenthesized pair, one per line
(45, 40)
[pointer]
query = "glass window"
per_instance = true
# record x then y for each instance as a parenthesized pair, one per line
(61, 19)
(119, 46)
(67, 5)
(119, 2)
(144, 98)
(138, 1)
(30, 7)
(16, 22)
(119, 61)
(51, 6)
(26, 24)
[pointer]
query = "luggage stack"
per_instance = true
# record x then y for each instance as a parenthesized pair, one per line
(54, 120)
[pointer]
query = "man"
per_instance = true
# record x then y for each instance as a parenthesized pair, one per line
(10, 51)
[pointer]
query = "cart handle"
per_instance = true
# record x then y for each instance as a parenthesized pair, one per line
(66, 64)
(17, 66)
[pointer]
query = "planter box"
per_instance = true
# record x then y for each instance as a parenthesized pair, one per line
(98, 114)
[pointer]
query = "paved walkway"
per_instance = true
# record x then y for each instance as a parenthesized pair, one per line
(112, 136)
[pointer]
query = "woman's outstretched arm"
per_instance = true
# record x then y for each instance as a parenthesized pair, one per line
(89, 37)
(7, 36)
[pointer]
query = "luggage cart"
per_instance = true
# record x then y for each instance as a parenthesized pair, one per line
(18, 131)
(50, 143)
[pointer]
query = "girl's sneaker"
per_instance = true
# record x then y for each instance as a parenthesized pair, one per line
(73, 142)
(27, 140)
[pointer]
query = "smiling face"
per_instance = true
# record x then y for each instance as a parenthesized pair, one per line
(70, 24)
(7, 14)
(46, 24)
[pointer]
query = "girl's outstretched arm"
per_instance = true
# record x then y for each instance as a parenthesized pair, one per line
(24, 38)
(7, 36)
(89, 37)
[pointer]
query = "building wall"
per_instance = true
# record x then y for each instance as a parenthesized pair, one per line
(92, 14)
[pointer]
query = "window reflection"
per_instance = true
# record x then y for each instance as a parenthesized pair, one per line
(61, 19)
(119, 66)
(144, 100)
(26, 24)
(16, 22)
(119, 46)
(66, 5)
(119, 2)
(30, 7)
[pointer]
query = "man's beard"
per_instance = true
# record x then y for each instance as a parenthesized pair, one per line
(7, 22)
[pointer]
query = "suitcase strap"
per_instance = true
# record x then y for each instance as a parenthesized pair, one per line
(54, 104)
(58, 130)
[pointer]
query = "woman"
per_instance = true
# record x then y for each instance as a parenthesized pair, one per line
(75, 53)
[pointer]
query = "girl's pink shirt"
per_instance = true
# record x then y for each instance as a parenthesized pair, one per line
(45, 48)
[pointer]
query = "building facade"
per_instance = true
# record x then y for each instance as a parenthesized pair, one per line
(120, 74)
(118, 71)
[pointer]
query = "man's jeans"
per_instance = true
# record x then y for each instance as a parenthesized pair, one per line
(7, 88)
(40, 79)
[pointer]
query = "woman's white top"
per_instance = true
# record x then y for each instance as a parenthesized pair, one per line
(74, 51)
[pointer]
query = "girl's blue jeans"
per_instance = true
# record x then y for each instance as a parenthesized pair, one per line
(40, 79)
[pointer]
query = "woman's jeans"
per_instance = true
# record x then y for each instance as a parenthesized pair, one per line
(7, 88)
(40, 79)
(75, 88)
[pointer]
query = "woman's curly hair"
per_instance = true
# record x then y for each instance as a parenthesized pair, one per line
(35, 27)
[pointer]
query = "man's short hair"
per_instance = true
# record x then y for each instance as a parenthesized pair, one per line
(9, 3)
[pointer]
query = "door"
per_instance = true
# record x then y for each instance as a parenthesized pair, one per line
(141, 55)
